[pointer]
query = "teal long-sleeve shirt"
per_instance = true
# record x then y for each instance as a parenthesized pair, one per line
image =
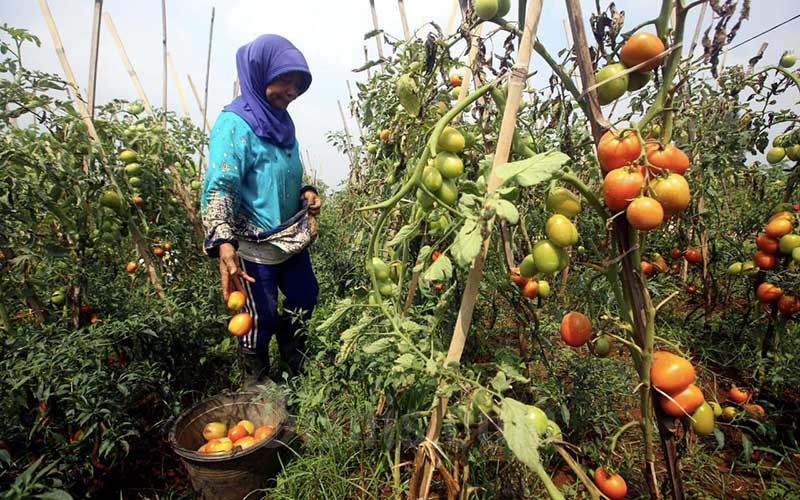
(251, 185)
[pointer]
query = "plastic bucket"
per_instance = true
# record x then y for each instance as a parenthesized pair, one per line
(232, 475)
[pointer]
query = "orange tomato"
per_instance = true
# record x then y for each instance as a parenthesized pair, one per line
(575, 329)
(764, 260)
(755, 411)
(670, 373)
(767, 293)
(137, 200)
(620, 186)
(682, 403)
(263, 432)
(640, 47)
(645, 213)
(788, 305)
(237, 432)
(131, 267)
(647, 268)
(214, 430)
(778, 227)
(531, 289)
(693, 255)
(455, 80)
(435, 255)
(245, 442)
(236, 301)
(158, 252)
(617, 149)
(248, 425)
(672, 192)
(384, 135)
(766, 243)
(613, 486)
(738, 395)
(666, 158)
(240, 324)
(660, 264)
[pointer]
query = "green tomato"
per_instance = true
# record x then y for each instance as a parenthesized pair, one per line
(537, 419)
(196, 185)
(547, 256)
(735, 268)
(448, 193)
(374, 298)
(637, 80)
(482, 401)
(793, 152)
(128, 156)
(58, 297)
(380, 268)
(110, 199)
(788, 243)
(135, 181)
(775, 155)
(749, 268)
(796, 255)
(562, 201)
(503, 6)
(561, 231)
(788, 59)
(425, 201)
(133, 169)
(451, 140)
(613, 89)
(431, 179)
(527, 267)
(602, 347)
(386, 288)
(372, 148)
(553, 430)
(449, 164)
(703, 420)
(486, 9)
(544, 289)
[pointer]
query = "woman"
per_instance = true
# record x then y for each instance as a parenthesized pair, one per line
(252, 191)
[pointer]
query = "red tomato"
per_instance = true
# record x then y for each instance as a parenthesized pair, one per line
(682, 403)
(788, 305)
(766, 243)
(647, 268)
(531, 289)
(517, 278)
(613, 486)
(436, 254)
(738, 395)
(620, 186)
(764, 260)
(693, 255)
(666, 158)
(640, 47)
(645, 213)
(767, 293)
(617, 149)
(575, 329)
(675, 253)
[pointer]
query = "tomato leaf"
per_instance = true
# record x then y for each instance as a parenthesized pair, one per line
(500, 382)
(467, 243)
(423, 256)
(747, 448)
(519, 433)
(533, 170)
(440, 270)
(340, 311)
(720, 437)
(404, 234)
(506, 210)
(379, 345)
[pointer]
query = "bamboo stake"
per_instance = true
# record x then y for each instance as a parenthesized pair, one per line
(127, 62)
(402, 6)
(177, 81)
(366, 60)
(98, 9)
(697, 29)
(208, 72)
(164, 68)
(378, 40)
(419, 487)
(199, 103)
(451, 21)
(80, 106)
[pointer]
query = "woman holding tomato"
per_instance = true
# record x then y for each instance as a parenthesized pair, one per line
(257, 215)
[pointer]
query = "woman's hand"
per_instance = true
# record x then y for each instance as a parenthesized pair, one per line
(314, 202)
(230, 272)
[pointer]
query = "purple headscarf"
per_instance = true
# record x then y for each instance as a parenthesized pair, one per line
(258, 63)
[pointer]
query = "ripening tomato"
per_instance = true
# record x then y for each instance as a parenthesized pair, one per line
(672, 192)
(788, 305)
(675, 253)
(755, 411)
(617, 149)
(613, 486)
(659, 264)
(137, 200)
(738, 395)
(682, 403)
(640, 47)
(531, 289)
(435, 255)
(666, 158)
(766, 243)
(236, 301)
(237, 432)
(670, 373)
(575, 329)
(703, 419)
(693, 255)
(767, 293)
(158, 252)
(131, 267)
(384, 135)
(778, 227)
(240, 324)
(455, 79)
(517, 278)
(263, 432)
(620, 186)
(616, 83)
(645, 213)
(561, 230)
(245, 442)
(647, 268)
(764, 260)
(214, 430)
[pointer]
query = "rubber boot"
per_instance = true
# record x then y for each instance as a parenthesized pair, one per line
(254, 367)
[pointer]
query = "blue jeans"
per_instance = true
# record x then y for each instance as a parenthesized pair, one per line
(296, 280)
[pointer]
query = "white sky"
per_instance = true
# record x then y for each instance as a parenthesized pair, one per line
(329, 33)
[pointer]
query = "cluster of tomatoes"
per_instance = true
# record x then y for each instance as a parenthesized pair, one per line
(241, 322)
(385, 274)
(487, 10)
(440, 174)
(628, 183)
(640, 48)
(740, 397)
(777, 243)
(222, 440)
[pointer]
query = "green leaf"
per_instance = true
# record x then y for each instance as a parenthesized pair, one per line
(424, 254)
(55, 495)
(506, 210)
(747, 448)
(533, 170)
(720, 437)
(519, 433)
(340, 311)
(440, 270)
(378, 346)
(405, 233)
(500, 382)
(467, 243)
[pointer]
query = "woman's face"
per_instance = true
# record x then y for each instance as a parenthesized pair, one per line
(284, 89)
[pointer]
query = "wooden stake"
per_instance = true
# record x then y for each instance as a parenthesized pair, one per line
(697, 29)
(80, 106)
(402, 6)
(199, 103)
(451, 21)
(208, 72)
(379, 36)
(366, 60)
(127, 62)
(96, 21)
(178, 86)
(164, 68)
(421, 479)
